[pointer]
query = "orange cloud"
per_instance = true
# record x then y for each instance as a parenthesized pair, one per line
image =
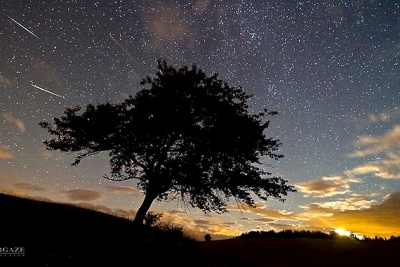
(122, 189)
(382, 219)
(215, 227)
(5, 153)
(6, 178)
(197, 226)
(264, 212)
(359, 214)
(13, 191)
(28, 186)
(16, 122)
(356, 202)
(83, 195)
(326, 186)
(266, 220)
(174, 211)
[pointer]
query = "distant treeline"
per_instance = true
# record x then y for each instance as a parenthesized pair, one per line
(311, 234)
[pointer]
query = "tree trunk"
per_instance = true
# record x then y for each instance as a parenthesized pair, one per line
(148, 200)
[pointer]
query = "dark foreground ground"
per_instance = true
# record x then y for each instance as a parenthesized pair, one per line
(304, 252)
(51, 234)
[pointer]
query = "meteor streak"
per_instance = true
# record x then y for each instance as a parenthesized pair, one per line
(126, 51)
(22, 26)
(47, 91)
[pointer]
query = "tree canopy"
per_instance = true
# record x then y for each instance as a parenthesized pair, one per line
(184, 135)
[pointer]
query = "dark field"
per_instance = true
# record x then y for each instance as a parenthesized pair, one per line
(54, 234)
(63, 235)
(309, 252)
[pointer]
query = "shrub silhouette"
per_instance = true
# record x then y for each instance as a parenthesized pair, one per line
(152, 218)
(207, 237)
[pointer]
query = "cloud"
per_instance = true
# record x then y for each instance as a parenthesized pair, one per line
(28, 186)
(17, 192)
(83, 195)
(384, 116)
(358, 214)
(122, 189)
(385, 150)
(16, 122)
(269, 219)
(200, 221)
(329, 208)
(5, 81)
(316, 210)
(13, 191)
(355, 202)
(6, 178)
(376, 145)
(382, 219)
(214, 226)
(326, 186)
(5, 153)
(264, 212)
(176, 211)
(388, 167)
(266, 220)
(197, 226)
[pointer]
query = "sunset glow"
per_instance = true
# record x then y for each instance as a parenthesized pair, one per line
(343, 232)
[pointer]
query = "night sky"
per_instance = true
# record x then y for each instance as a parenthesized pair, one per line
(330, 68)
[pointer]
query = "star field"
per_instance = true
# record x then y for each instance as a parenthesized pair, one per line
(330, 68)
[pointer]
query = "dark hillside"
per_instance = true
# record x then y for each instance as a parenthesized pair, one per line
(55, 234)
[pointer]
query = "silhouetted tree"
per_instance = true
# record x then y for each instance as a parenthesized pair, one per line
(333, 234)
(353, 236)
(207, 237)
(188, 136)
(285, 234)
(394, 238)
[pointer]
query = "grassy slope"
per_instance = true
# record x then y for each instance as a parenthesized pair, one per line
(65, 235)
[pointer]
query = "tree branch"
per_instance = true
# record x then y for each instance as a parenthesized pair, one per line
(84, 155)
